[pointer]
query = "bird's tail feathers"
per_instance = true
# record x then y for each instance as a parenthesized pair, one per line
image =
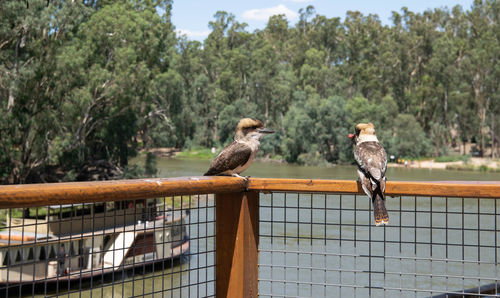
(379, 211)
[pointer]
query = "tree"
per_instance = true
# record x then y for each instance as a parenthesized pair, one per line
(92, 82)
(108, 83)
(410, 140)
(481, 60)
(31, 34)
(318, 129)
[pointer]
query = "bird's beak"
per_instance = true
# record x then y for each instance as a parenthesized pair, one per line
(351, 136)
(265, 130)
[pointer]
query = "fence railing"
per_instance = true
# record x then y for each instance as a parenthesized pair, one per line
(226, 237)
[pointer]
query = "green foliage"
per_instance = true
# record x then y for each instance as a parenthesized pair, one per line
(410, 140)
(132, 171)
(231, 114)
(82, 81)
(319, 127)
(86, 89)
(150, 168)
(481, 168)
(452, 158)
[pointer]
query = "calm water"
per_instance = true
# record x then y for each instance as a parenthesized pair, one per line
(338, 252)
(178, 168)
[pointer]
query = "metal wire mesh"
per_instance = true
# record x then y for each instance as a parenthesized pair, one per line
(324, 245)
(150, 247)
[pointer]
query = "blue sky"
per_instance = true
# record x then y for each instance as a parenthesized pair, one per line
(191, 17)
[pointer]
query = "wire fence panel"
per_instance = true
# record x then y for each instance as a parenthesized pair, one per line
(119, 239)
(130, 248)
(325, 245)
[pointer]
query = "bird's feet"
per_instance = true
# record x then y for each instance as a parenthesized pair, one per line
(244, 177)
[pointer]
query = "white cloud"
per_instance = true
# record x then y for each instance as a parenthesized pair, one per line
(193, 34)
(300, 1)
(264, 13)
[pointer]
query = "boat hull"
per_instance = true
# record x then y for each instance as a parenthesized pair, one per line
(84, 275)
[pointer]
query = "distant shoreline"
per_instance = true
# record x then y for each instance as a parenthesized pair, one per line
(472, 164)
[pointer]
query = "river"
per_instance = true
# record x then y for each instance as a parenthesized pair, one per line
(293, 282)
(181, 167)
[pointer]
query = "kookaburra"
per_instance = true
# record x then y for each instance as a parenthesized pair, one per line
(239, 155)
(372, 162)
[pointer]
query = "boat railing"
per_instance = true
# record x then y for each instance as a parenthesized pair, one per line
(227, 237)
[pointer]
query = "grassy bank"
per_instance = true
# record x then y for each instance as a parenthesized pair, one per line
(448, 162)
(469, 167)
(452, 158)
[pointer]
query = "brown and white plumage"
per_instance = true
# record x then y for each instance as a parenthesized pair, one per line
(371, 159)
(239, 155)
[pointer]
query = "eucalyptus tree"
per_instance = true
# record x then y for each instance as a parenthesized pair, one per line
(226, 60)
(114, 76)
(31, 34)
(481, 61)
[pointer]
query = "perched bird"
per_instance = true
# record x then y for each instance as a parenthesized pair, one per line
(239, 155)
(372, 162)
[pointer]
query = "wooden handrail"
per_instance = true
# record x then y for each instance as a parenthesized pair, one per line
(487, 189)
(32, 195)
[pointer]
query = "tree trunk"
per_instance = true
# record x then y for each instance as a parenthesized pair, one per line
(492, 129)
(216, 132)
(447, 131)
(10, 103)
(482, 118)
(266, 115)
(482, 113)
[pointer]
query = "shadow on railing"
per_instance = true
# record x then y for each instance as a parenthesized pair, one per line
(272, 237)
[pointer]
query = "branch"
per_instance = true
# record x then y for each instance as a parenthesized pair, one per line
(83, 129)
(4, 43)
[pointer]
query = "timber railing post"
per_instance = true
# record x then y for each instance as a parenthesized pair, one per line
(237, 240)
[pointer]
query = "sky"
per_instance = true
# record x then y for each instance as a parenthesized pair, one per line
(191, 17)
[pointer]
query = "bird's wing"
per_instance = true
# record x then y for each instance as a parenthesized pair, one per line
(232, 156)
(371, 159)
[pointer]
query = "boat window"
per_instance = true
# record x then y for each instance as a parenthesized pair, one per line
(30, 254)
(6, 259)
(80, 247)
(67, 214)
(106, 240)
(127, 205)
(43, 256)
(110, 206)
(19, 256)
(72, 251)
(83, 210)
(34, 213)
(98, 208)
(52, 253)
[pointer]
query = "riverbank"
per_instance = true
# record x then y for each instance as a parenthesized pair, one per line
(471, 164)
(464, 164)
